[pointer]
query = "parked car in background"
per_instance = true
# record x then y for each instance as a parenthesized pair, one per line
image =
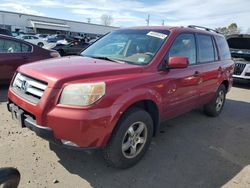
(116, 95)
(55, 38)
(42, 36)
(15, 52)
(5, 32)
(73, 48)
(239, 45)
(33, 39)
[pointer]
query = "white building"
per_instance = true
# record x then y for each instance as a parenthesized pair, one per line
(19, 22)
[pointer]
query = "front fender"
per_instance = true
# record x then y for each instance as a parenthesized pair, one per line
(123, 102)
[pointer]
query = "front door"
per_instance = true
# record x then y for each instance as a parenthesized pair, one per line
(182, 85)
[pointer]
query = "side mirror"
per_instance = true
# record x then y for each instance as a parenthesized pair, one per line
(177, 62)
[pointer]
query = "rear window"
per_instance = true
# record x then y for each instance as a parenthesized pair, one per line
(206, 48)
(223, 48)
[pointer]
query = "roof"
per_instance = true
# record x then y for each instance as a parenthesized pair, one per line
(18, 13)
(179, 28)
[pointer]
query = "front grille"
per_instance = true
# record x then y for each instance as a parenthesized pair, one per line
(238, 69)
(29, 88)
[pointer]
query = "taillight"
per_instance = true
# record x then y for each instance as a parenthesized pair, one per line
(54, 54)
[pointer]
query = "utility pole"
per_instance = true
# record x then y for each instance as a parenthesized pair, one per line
(148, 19)
(163, 22)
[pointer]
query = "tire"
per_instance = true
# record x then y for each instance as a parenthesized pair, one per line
(61, 52)
(215, 107)
(40, 44)
(124, 150)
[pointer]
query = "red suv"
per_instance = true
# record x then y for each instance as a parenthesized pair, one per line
(115, 95)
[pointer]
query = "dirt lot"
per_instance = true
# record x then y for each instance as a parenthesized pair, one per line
(191, 151)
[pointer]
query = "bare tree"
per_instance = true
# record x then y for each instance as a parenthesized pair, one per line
(106, 19)
(248, 31)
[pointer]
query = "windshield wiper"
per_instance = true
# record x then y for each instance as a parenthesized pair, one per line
(107, 58)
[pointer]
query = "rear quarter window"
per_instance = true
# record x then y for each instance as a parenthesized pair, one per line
(26, 48)
(223, 48)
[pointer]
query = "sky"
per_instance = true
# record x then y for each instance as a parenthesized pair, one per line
(125, 13)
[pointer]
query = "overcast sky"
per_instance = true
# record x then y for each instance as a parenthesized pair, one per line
(210, 13)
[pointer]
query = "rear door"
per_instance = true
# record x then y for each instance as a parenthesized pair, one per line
(211, 67)
(12, 55)
(182, 91)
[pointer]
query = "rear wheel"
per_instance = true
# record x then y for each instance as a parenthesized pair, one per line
(130, 139)
(215, 107)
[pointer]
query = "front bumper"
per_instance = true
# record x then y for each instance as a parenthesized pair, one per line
(62, 130)
(41, 131)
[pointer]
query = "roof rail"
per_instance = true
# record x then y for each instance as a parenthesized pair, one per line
(205, 28)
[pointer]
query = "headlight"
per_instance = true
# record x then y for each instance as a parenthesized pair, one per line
(82, 94)
(248, 69)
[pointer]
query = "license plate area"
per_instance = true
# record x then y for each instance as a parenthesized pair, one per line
(17, 115)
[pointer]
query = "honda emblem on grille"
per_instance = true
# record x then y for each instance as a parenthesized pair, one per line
(24, 86)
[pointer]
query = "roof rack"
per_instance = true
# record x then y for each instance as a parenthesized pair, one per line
(205, 28)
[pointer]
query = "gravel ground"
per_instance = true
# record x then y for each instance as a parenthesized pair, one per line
(192, 150)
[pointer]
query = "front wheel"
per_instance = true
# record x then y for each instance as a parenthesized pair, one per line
(130, 140)
(215, 107)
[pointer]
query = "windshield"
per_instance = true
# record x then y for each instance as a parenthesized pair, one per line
(130, 46)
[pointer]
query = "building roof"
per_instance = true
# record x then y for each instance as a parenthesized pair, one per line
(18, 13)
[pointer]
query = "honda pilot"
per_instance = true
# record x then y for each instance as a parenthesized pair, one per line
(115, 95)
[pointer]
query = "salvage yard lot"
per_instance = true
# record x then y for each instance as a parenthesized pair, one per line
(192, 150)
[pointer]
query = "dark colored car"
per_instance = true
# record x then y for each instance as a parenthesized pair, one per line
(5, 32)
(239, 45)
(73, 48)
(128, 82)
(15, 52)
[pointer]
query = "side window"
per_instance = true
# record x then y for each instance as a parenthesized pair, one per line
(1, 45)
(223, 48)
(184, 45)
(25, 37)
(9, 46)
(206, 48)
(26, 48)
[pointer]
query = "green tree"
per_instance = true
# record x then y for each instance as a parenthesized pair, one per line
(229, 30)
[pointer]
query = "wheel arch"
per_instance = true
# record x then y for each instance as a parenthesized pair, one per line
(226, 84)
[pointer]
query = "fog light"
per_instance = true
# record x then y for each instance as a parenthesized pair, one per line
(69, 143)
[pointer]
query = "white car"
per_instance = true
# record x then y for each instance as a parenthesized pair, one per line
(239, 45)
(33, 39)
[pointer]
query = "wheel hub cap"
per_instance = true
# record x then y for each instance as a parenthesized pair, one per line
(134, 139)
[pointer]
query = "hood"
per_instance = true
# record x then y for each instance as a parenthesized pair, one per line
(57, 71)
(239, 45)
(239, 41)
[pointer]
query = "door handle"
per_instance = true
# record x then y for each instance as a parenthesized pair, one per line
(25, 57)
(196, 74)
